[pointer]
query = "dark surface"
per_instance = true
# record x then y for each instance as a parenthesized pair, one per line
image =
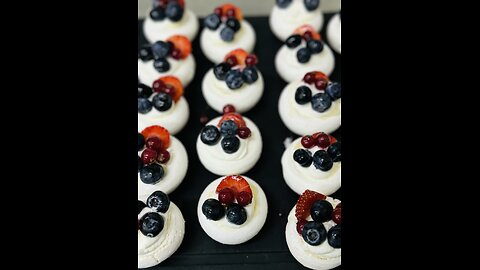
(267, 250)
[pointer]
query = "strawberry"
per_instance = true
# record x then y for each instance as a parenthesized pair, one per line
(236, 183)
(236, 117)
(159, 132)
(320, 75)
(183, 44)
(172, 81)
(304, 203)
(230, 9)
(307, 28)
(239, 54)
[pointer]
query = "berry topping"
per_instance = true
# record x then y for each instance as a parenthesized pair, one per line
(236, 117)
(321, 211)
(140, 164)
(314, 233)
(160, 3)
(302, 30)
(162, 102)
(141, 205)
(163, 156)
(213, 209)
(249, 74)
(251, 60)
(308, 141)
(321, 102)
(161, 49)
(321, 84)
(227, 34)
(304, 203)
(233, 23)
(283, 3)
(182, 43)
(236, 214)
(240, 56)
(334, 90)
(323, 140)
(157, 14)
(218, 11)
(300, 225)
(303, 157)
(221, 70)
(141, 142)
(212, 21)
(230, 144)
(172, 82)
(309, 78)
(335, 236)
(231, 11)
(293, 41)
(144, 91)
(229, 108)
(228, 127)
(335, 151)
(151, 173)
(231, 60)
(176, 54)
(158, 201)
(226, 196)
(210, 135)
(174, 11)
(234, 79)
(158, 86)
(148, 156)
(145, 53)
(337, 215)
(157, 131)
(315, 46)
(322, 161)
(303, 95)
(311, 4)
(244, 198)
(144, 105)
(161, 65)
(151, 224)
(303, 55)
(244, 132)
(236, 183)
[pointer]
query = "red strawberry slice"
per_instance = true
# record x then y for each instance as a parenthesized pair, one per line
(228, 9)
(159, 132)
(301, 30)
(174, 82)
(236, 183)
(183, 44)
(236, 117)
(239, 54)
(304, 203)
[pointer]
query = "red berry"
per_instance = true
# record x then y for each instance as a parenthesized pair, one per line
(251, 60)
(244, 198)
(176, 54)
(163, 3)
(323, 140)
(321, 84)
(309, 78)
(307, 35)
(231, 60)
(226, 196)
(337, 215)
(307, 141)
(244, 132)
(338, 206)
(300, 225)
(231, 13)
(228, 108)
(158, 86)
(218, 11)
(203, 119)
(148, 156)
(163, 156)
(154, 143)
(169, 89)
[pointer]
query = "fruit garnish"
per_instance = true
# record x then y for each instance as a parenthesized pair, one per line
(163, 156)
(236, 117)
(244, 198)
(332, 140)
(240, 56)
(171, 81)
(229, 10)
(154, 143)
(300, 225)
(337, 215)
(236, 183)
(307, 31)
(148, 156)
(244, 132)
(304, 203)
(229, 108)
(226, 196)
(180, 2)
(323, 140)
(159, 132)
(308, 141)
(182, 43)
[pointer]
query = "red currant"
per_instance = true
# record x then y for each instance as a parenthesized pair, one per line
(218, 11)
(337, 215)
(163, 156)
(148, 156)
(244, 198)
(321, 84)
(169, 89)
(309, 78)
(323, 140)
(229, 108)
(158, 86)
(154, 143)
(226, 196)
(231, 13)
(251, 60)
(307, 141)
(244, 132)
(300, 225)
(232, 60)
(307, 35)
(176, 53)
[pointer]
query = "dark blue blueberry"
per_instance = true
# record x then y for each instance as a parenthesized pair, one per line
(322, 161)
(228, 127)
(311, 4)
(236, 214)
(321, 102)
(335, 236)
(210, 135)
(162, 102)
(212, 21)
(151, 224)
(321, 211)
(174, 11)
(151, 173)
(213, 209)
(315, 46)
(227, 34)
(234, 79)
(141, 142)
(161, 65)
(303, 55)
(145, 53)
(230, 144)
(144, 105)
(161, 49)
(335, 151)
(158, 201)
(293, 41)
(283, 3)
(303, 95)
(314, 233)
(157, 14)
(144, 90)
(250, 75)
(141, 205)
(233, 23)
(140, 164)
(303, 157)
(221, 70)
(334, 90)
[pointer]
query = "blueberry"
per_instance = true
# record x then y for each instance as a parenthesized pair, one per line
(141, 142)
(145, 53)
(140, 164)
(212, 21)
(174, 11)
(303, 157)
(314, 233)
(228, 127)
(230, 144)
(322, 161)
(335, 151)
(234, 79)
(334, 90)
(293, 41)
(283, 3)
(210, 135)
(141, 205)
(335, 236)
(158, 201)
(151, 174)
(144, 90)
(321, 102)
(162, 102)
(144, 105)
(213, 209)
(311, 4)
(227, 34)
(161, 49)
(221, 70)
(315, 46)
(303, 55)
(303, 95)
(321, 211)
(236, 214)
(157, 14)
(233, 23)
(250, 75)
(161, 65)
(151, 224)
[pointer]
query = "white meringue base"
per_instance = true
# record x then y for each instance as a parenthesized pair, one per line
(214, 159)
(217, 94)
(161, 30)
(284, 21)
(175, 171)
(228, 233)
(334, 33)
(183, 69)
(174, 119)
(215, 48)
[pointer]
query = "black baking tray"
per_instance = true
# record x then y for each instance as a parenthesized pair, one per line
(268, 249)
